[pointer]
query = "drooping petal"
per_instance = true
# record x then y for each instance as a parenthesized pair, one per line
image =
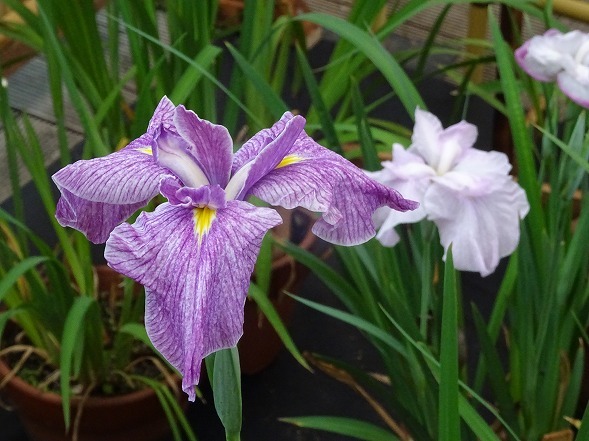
(211, 145)
(195, 266)
(476, 169)
(481, 220)
(95, 219)
(100, 193)
(408, 174)
(575, 85)
(318, 179)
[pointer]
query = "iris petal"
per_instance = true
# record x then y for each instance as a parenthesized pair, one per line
(408, 174)
(481, 230)
(110, 188)
(211, 144)
(272, 156)
(576, 87)
(321, 180)
(195, 285)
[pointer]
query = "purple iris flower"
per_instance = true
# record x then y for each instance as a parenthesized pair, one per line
(195, 253)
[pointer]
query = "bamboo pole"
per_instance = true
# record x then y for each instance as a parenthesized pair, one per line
(575, 9)
(477, 29)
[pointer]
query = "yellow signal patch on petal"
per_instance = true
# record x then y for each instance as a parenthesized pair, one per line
(288, 160)
(203, 219)
(146, 150)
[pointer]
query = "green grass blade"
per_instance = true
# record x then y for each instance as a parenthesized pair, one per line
(343, 426)
(524, 147)
(468, 413)
(271, 314)
(449, 418)
(375, 51)
(369, 155)
(72, 332)
(583, 432)
(11, 277)
(188, 60)
(496, 374)
(172, 409)
(331, 278)
(574, 155)
(325, 118)
(359, 323)
(191, 76)
(137, 330)
(269, 97)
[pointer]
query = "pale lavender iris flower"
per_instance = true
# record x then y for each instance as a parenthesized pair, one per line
(195, 253)
(466, 192)
(559, 57)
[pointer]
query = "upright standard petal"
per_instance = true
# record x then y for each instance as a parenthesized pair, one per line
(100, 193)
(195, 264)
(266, 160)
(318, 179)
(162, 116)
(211, 145)
(441, 148)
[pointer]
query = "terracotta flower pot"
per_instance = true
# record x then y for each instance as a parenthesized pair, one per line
(137, 415)
(134, 416)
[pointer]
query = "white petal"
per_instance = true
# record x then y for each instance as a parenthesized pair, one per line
(576, 85)
(482, 229)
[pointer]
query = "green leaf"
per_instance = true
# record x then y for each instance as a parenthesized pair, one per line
(334, 281)
(325, 118)
(583, 432)
(376, 52)
(73, 334)
(343, 426)
(468, 413)
(227, 391)
(191, 76)
(10, 278)
(191, 62)
(369, 155)
(270, 98)
(449, 419)
(496, 373)
(271, 314)
(174, 413)
(573, 154)
(138, 331)
(522, 139)
(358, 322)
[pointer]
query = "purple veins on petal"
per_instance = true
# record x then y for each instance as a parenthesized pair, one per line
(211, 145)
(196, 282)
(100, 193)
(320, 180)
